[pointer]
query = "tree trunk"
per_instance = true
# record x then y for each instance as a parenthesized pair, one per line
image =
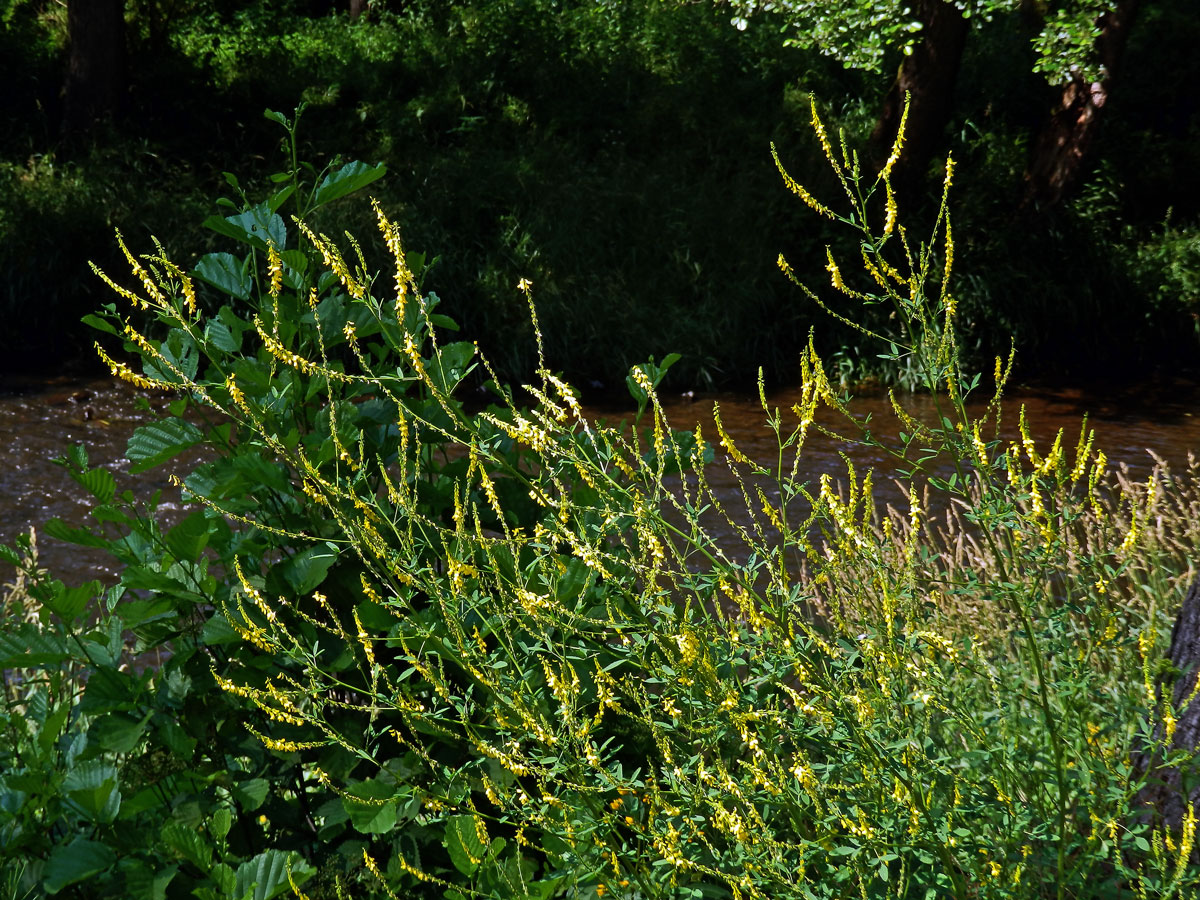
(929, 75)
(1061, 148)
(357, 8)
(1164, 796)
(95, 81)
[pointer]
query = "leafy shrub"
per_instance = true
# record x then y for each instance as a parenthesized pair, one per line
(499, 653)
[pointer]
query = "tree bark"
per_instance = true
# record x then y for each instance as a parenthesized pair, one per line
(1061, 147)
(357, 8)
(1168, 793)
(928, 75)
(95, 81)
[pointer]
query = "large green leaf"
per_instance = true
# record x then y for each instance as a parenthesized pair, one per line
(373, 806)
(346, 180)
(69, 603)
(60, 530)
(92, 786)
(154, 444)
(73, 862)
(118, 732)
(145, 883)
(97, 482)
(109, 689)
(25, 645)
(189, 538)
(307, 569)
(266, 875)
(250, 793)
(218, 334)
(257, 226)
(462, 842)
(188, 843)
(226, 273)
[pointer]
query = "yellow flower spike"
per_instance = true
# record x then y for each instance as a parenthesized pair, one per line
(134, 299)
(333, 260)
(1027, 441)
(122, 371)
(949, 265)
(819, 128)
(235, 393)
(525, 286)
(872, 269)
(299, 894)
(403, 277)
(798, 189)
(274, 270)
(185, 283)
(1134, 533)
(980, 448)
(1186, 843)
(148, 283)
(949, 179)
(1082, 451)
(897, 145)
(835, 275)
(1094, 477)
(726, 441)
(891, 212)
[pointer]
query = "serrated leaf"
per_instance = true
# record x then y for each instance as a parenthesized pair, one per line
(220, 823)
(97, 482)
(109, 689)
(69, 603)
(60, 530)
(217, 631)
(52, 727)
(307, 569)
(92, 786)
(145, 883)
(154, 444)
(26, 645)
(73, 862)
(266, 876)
(346, 180)
(371, 817)
(217, 334)
(188, 539)
(373, 805)
(250, 793)
(118, 732)
(188, 843)
(225, 272)
(258, 226)
(177, 740)
(463, 844)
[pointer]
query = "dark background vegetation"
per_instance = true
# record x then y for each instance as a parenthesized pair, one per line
(615, 153)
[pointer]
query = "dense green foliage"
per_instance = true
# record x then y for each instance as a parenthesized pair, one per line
(405, 647)
(616, 154)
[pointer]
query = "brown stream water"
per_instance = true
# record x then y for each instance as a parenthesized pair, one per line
(39, 420)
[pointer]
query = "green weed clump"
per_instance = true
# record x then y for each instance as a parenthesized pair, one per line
(419, 648)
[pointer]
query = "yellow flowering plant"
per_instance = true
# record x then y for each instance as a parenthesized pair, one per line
(504, 653)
